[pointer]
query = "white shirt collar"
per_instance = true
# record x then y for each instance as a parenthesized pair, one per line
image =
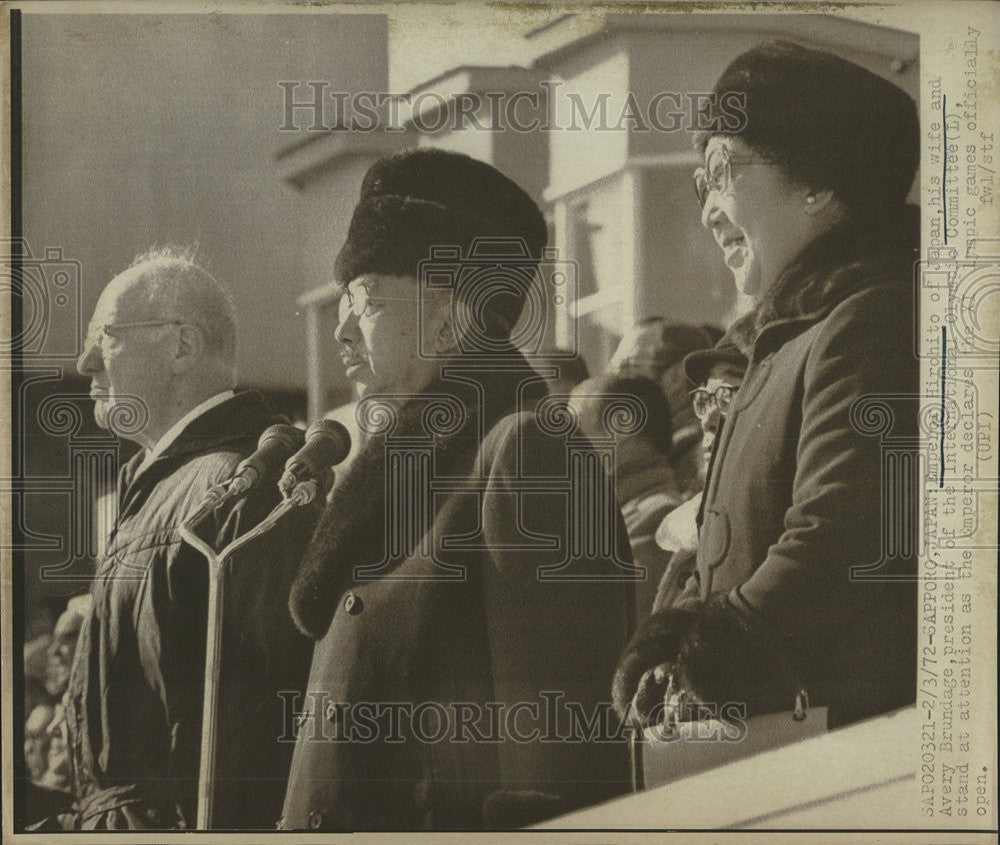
(175, 430)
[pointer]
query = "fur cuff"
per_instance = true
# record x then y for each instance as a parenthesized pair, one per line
(658, 640)
(717, 655)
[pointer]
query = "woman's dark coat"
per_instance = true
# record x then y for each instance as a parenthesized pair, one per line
(810, 513)
(462, 620)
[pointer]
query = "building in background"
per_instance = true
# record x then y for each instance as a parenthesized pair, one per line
(192, 144)
(597, 126)
(141, 130)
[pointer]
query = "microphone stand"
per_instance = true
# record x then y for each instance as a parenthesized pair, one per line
(302, 494)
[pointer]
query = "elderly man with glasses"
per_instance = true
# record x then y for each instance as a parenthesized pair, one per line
(459, 612)
(160, 355)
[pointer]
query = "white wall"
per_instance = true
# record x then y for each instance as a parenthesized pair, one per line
(147, 129)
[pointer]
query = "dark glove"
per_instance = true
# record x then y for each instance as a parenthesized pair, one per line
(712, 654)
(654, 646)
(727, 659)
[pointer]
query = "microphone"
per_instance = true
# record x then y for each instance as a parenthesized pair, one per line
(275, 444)
(327, 443)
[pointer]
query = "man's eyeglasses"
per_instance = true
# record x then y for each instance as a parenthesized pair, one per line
(112, 329)
(360, 300)
(703, 401)
(717, 174)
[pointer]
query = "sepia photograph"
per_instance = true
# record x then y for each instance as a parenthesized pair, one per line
(500, 421)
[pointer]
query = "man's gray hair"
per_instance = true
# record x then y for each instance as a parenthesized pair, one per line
(174, 285)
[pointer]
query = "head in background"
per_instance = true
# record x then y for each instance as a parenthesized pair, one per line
(654, 344)
(562, 371)
(716, 375)
(631, 409)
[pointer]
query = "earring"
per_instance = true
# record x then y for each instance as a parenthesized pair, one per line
(810, 199)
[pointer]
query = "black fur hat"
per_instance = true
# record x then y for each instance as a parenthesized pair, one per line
(732, 348)
(697, 365)
(422, 198)
(828, 122)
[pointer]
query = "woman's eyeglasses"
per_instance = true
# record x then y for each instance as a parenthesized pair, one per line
(717, 174)
(703, 400)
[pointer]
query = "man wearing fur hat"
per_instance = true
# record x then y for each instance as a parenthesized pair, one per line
(460, 625)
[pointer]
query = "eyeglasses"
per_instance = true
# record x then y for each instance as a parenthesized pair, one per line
(360, 300)
(717, 174)
(703, 401)
(110, 329)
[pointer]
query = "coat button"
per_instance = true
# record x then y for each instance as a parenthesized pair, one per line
(316, 820)
(332, 711)
(352, 604)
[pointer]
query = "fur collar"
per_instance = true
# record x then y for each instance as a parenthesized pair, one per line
(352, 530)
(847, 259)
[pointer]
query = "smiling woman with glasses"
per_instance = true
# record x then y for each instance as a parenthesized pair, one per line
(807, 204)
(717, 174)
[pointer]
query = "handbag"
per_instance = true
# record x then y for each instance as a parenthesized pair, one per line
(678, 747)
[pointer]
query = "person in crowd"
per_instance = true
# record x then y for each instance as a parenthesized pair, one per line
(717, 374)
(644, 479)
(48, 659)
(453, 606)
(36, 741)
(36, 668)
(160, 354)
(655, 348)
(46, 791)
(63, 646)
(654, 344)
(569, 370)
(807, 203)
(57, 772)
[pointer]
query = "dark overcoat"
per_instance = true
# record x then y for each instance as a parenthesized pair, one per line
(810, 512)
(134, 701)
(464, 653)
